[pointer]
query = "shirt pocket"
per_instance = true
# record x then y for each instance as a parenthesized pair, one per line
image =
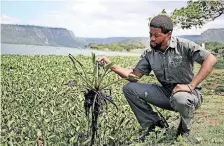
(179, 70)
(176, 61)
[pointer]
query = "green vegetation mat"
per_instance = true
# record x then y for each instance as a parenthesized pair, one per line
(36, 102)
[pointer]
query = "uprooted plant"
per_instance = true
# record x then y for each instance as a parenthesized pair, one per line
(94, 94)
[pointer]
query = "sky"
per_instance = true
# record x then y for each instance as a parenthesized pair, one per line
(95, 18)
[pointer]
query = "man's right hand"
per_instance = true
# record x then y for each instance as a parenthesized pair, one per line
(103, 60)
(122, 72)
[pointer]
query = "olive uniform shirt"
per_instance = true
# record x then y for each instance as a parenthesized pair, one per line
(173, 66)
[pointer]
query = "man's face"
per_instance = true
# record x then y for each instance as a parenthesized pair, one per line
(157, 37)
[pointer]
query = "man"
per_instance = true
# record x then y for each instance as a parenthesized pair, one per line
(172, 61)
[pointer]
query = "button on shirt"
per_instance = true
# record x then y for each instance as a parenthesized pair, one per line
(175, 65)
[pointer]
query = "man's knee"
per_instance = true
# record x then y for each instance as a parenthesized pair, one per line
(180, 100)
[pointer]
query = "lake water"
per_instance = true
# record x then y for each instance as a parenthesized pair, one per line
(49, 50)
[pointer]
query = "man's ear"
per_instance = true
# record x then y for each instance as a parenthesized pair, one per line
(170, 33)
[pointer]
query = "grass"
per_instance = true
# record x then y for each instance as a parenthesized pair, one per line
(220, 64)
(35, 102)
(209, 122)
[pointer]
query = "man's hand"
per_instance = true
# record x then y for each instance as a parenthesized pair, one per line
(182, 88)
(133, 77)
(103, 60)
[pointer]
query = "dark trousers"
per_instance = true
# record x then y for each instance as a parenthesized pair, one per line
(139, 95)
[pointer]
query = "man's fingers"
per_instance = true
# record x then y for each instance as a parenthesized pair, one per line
(103, 60)
(100, 59)
(173, 93)
(179, 90)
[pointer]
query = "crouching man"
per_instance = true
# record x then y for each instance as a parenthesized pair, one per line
(172, 61)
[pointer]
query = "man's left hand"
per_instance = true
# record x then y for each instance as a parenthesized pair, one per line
(181, 88)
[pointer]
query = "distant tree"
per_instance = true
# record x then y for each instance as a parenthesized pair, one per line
(116, 46)
(196, 13)
(163, 11)
(92, 45)
(214, 46)
(141, 45)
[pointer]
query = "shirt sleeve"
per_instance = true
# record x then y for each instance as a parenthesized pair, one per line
(197, 53)
(143, 65)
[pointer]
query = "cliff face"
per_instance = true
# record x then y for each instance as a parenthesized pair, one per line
(213, 35)
(35, 35)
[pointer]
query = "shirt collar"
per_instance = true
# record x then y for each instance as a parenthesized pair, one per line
(173, 42)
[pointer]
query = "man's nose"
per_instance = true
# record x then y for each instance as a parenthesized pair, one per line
(152, 38)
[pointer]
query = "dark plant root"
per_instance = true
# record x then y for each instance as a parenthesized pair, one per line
(89, 97)
(95, 100)
(95, 114)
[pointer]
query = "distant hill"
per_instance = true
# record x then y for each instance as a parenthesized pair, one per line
(47, 36)
(195, 38)
(144, 40)
(36, 35)
(213, 35)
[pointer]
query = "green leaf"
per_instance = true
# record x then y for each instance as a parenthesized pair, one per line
(76, 60)
(106, 71)
(85, 142)
(77, 70)
(111, 138)
(119, 80)
(77, 128)
(93, 58)
(122, 120)
(10, 123)
(96, 75)
(72, 139)
(72, 58)
(52, 137)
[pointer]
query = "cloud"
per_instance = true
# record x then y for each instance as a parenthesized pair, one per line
(107, 18)
(98, 18)
(5, 19)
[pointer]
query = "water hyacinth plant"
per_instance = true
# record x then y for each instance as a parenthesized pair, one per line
(94, 90)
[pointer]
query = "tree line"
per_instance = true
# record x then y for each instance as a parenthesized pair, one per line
(214, 46)
(116, 46)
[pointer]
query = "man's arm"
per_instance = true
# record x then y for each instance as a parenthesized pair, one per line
(203, 57)
(206, 68)
(122, 72)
